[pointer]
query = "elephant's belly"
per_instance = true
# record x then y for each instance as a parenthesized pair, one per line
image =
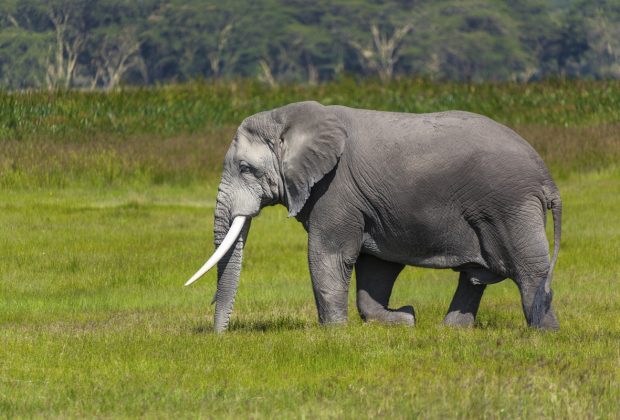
(421, 251)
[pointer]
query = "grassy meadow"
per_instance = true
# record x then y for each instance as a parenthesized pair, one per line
(106, 208)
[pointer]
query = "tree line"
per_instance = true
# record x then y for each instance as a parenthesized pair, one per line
(101, 44)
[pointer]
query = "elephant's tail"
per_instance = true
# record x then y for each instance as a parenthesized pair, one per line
(544, 295)
(555, 204)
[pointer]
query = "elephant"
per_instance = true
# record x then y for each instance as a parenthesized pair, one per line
(382, 190)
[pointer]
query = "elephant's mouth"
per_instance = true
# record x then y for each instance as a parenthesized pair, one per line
(229, 240)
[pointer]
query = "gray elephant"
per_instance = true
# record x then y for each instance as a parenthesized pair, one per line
(381, 190)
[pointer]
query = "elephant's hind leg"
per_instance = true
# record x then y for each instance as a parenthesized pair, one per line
(536, 301)
(466, 300)
(530, 266)
(375, 280)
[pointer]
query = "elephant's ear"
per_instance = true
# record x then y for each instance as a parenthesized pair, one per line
(312, 141)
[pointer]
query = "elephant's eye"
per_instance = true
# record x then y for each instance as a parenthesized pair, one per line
(244, 167)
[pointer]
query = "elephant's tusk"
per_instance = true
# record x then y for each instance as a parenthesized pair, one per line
(228, 241)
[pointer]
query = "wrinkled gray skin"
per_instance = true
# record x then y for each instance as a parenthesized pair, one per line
(380, 190)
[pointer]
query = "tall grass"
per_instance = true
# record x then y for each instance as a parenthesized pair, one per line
(193, 107)
(178, 134)
(139, 160)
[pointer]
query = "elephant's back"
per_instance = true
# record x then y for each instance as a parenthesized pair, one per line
(446, 144)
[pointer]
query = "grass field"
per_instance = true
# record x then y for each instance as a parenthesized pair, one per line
(99, 232)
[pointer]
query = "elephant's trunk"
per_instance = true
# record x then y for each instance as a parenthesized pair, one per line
(229, 266)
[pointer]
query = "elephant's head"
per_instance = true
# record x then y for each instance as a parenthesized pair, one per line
(275, 158)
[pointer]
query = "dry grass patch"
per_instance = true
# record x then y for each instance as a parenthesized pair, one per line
(575, 149)
(190, 158)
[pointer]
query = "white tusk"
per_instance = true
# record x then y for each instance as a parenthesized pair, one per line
(228, 241)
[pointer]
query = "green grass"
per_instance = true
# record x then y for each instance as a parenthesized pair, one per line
(106, 208)
(94, 320)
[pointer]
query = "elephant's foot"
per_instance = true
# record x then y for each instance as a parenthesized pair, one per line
(326, 320)
(550, 322)
(401, 316)
(466, 300)
(459, 319)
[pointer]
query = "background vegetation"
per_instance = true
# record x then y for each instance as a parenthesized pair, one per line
(178, 134)
(94, 44)
(106, 208)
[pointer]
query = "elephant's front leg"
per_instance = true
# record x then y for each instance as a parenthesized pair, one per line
(375, 280)
(330, 270)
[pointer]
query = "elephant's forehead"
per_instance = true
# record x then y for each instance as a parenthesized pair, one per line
(245, 148)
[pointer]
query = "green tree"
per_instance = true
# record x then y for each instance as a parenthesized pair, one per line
(105, 43)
